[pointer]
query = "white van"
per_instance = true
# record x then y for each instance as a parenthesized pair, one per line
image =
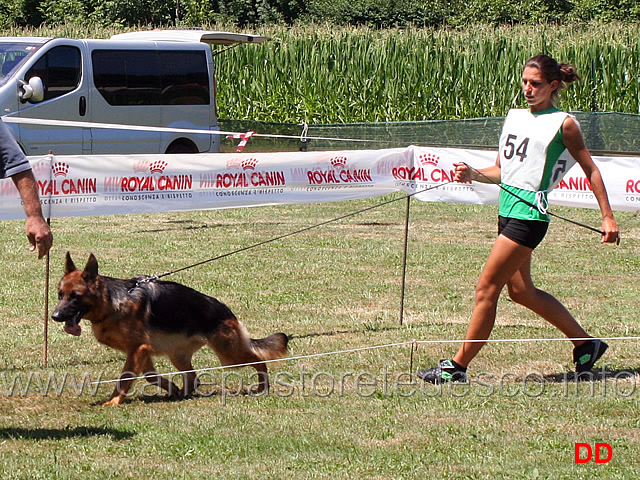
(159, 78)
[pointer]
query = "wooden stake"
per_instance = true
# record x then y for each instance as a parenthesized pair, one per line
(404, 258)
(46, 307)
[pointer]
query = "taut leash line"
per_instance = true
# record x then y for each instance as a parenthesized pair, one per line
(280, 237)
(588, 227)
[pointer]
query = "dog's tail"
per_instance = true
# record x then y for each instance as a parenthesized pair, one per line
(270, 348)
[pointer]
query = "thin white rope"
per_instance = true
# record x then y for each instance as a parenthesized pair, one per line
(324, 354)
(147, 128)
(515, 340)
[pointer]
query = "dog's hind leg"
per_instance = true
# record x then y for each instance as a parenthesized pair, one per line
(182, 361)
(263, 378)
(234, 347)
(270, 348)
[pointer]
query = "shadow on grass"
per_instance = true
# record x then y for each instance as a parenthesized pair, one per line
(170, 229)
(597, 375)
(184, 225)
(15, 433)
(330, 333)
(375, 224)
(372, 327)
(217, 394)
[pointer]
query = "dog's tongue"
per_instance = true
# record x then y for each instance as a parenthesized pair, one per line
(73, 329)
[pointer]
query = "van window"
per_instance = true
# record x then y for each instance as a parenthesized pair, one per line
(126, 77)
(12, 54)
(149, 77)
(185, 79)
(59, 69)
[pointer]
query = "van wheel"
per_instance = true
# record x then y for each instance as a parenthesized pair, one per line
(182, 146)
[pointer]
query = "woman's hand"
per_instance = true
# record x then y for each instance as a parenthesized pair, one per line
(611, 234)
(462, 173)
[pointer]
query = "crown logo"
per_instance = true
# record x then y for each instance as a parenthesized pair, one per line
(141, 166)
(249, 163)
(60, 169)
(429, 159)
(339, 162)
(41, 168)
(234, 162)
(158, 166)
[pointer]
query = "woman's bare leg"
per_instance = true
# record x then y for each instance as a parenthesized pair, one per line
(504, 261)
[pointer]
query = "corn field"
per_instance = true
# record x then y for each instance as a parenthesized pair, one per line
(335, 75)
(326, 74)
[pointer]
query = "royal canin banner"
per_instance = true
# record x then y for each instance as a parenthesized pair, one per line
(118, 184)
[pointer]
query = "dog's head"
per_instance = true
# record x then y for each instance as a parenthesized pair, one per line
(77, 294)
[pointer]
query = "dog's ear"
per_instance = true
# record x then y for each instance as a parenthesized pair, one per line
(69, 266)
(91, 269)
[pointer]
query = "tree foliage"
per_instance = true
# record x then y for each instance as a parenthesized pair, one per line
(373, 13)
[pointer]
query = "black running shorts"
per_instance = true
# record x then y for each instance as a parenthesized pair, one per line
(524, 232)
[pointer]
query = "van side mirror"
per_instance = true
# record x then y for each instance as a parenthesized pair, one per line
(32, 91)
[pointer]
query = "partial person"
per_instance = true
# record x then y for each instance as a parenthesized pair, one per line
(537, 147)
(14, 164)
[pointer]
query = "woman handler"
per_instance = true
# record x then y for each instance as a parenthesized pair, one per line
(537, 147)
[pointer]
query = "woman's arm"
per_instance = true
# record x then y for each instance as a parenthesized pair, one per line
(572, 137)
(464, 173)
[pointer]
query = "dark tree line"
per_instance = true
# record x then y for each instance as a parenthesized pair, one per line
(373, 13)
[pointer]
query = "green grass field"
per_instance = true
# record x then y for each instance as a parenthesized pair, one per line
(345, 405)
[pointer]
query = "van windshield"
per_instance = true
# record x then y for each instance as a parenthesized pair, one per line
(12, 55)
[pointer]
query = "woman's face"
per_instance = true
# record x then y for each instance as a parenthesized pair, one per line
(537, 91)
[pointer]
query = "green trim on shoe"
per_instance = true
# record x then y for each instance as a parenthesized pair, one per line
(443, 373)
(587, 354)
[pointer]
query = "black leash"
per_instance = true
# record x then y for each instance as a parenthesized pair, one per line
(588, 227)
(351, 214)
(280, 237)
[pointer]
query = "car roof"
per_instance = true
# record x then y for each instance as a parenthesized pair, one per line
(212, 37)
(25, 39)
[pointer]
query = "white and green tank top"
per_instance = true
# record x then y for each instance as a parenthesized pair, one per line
(533, 160)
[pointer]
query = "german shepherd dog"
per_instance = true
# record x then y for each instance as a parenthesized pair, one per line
(143, 319)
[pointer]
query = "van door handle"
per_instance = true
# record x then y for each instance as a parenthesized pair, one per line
(82, 107)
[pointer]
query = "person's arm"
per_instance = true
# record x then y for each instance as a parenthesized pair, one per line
(37, 229)
(464, 173)
(572, 138)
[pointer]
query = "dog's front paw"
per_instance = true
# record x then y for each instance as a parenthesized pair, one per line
(114, 401)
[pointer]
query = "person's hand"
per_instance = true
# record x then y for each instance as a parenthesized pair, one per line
(611, 233)
(39, 235)
(462, 173)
